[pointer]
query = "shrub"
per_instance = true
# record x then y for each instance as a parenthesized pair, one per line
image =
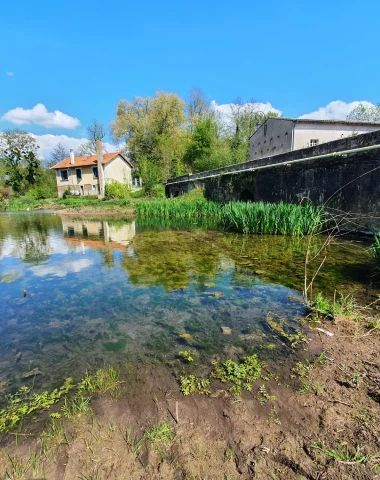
(5, 193)
(116, 189)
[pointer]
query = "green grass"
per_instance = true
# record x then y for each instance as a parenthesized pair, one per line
(375, 251)
(159, 436)
(272, 218)
(260, 218)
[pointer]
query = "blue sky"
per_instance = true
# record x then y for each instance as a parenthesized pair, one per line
(80, 58)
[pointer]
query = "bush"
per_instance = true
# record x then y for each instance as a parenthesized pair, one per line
(40, 192)
(117, 190)
(5, 193)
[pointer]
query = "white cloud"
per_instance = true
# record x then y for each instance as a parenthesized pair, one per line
(48, 142)
(336, 110)
(10, 74)
(39, 115)
(225, 109)
(61, 269)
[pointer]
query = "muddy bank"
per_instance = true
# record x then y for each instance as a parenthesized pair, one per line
(318, 420)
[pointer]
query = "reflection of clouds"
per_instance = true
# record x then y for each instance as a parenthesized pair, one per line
(58, 245)
(7, 248)
(61, 269)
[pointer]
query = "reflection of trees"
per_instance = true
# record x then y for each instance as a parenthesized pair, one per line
(173, 259)
(29, 234)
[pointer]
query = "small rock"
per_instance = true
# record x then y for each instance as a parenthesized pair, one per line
(226, 331)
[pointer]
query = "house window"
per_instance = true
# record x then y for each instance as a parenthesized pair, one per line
(78, 172)
(64, 175)
(314, 142)
(95, 172)
(94, 188)
(265, 129)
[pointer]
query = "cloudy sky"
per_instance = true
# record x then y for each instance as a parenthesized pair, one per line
(58, 70)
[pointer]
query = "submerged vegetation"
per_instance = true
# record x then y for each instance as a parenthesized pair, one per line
(260, 217)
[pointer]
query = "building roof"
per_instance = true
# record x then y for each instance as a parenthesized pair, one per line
(90, 160)
(312, 120)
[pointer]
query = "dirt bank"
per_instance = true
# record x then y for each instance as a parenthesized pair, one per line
(322, 425)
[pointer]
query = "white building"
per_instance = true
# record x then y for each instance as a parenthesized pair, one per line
(281, 135)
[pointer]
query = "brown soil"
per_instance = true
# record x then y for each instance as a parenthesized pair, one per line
(217, 437)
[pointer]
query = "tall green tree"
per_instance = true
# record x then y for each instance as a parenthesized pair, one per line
(153, 128)
(365, 112)
(18, 152)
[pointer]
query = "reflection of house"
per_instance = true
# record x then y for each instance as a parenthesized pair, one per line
(98, 234)
(80, 174)
(281, 135)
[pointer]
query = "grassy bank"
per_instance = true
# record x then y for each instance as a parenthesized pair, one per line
(260, 217)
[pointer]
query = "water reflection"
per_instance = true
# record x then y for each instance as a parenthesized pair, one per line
(107, 291)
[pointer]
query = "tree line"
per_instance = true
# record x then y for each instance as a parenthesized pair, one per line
(164, 136)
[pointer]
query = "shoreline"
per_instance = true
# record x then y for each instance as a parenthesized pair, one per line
(325, 403)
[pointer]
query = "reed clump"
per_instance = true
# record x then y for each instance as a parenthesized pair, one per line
(258, 218)
(375, 251)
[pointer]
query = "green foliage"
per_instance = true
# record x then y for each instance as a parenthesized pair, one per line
(18, 151)
(159, 436)
(192, 385)
(346, 455)
(187, 355)
(344, 307)
(241, 375)
(178, 209)
(76, 406)
(375, 251)
(25, 402)
(264, 397)
(362, 112)
(116, 189)
(262, 218)
(101, 382)
(272, 218)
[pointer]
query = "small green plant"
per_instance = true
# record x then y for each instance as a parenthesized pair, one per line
(303, 369)
(274, 415)
(18, 468)
(159, 436)
(192, 385)
(343, 307)
(77, 406)
(352, 377)
(104, 380)
(263, 396)
(25, 402)
(375, 251)
(344, 454)
(241, 375)
(293, 339)
(186, 355)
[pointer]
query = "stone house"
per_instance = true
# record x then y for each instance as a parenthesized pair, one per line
(80, 174)
(281, 135)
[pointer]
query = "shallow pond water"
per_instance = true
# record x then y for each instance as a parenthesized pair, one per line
(81, 294)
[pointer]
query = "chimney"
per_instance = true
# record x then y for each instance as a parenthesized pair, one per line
(72, 158)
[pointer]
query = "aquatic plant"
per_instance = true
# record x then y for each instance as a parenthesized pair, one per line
(241, 375)
(260, 218)
(186, 355)
(178, 209)
(25, 402)
(343, 307)
(272, 218)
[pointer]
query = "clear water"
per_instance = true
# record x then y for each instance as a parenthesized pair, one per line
(81, 294)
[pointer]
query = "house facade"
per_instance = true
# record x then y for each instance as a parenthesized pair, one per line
(80, 175)
(281, 135)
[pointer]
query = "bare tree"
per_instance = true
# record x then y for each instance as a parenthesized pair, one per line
(197, 107)
(95, 131)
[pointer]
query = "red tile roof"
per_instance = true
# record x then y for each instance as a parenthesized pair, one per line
(84, 160)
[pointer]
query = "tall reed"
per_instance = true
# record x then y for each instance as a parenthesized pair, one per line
(259, 218)
(375, 250)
